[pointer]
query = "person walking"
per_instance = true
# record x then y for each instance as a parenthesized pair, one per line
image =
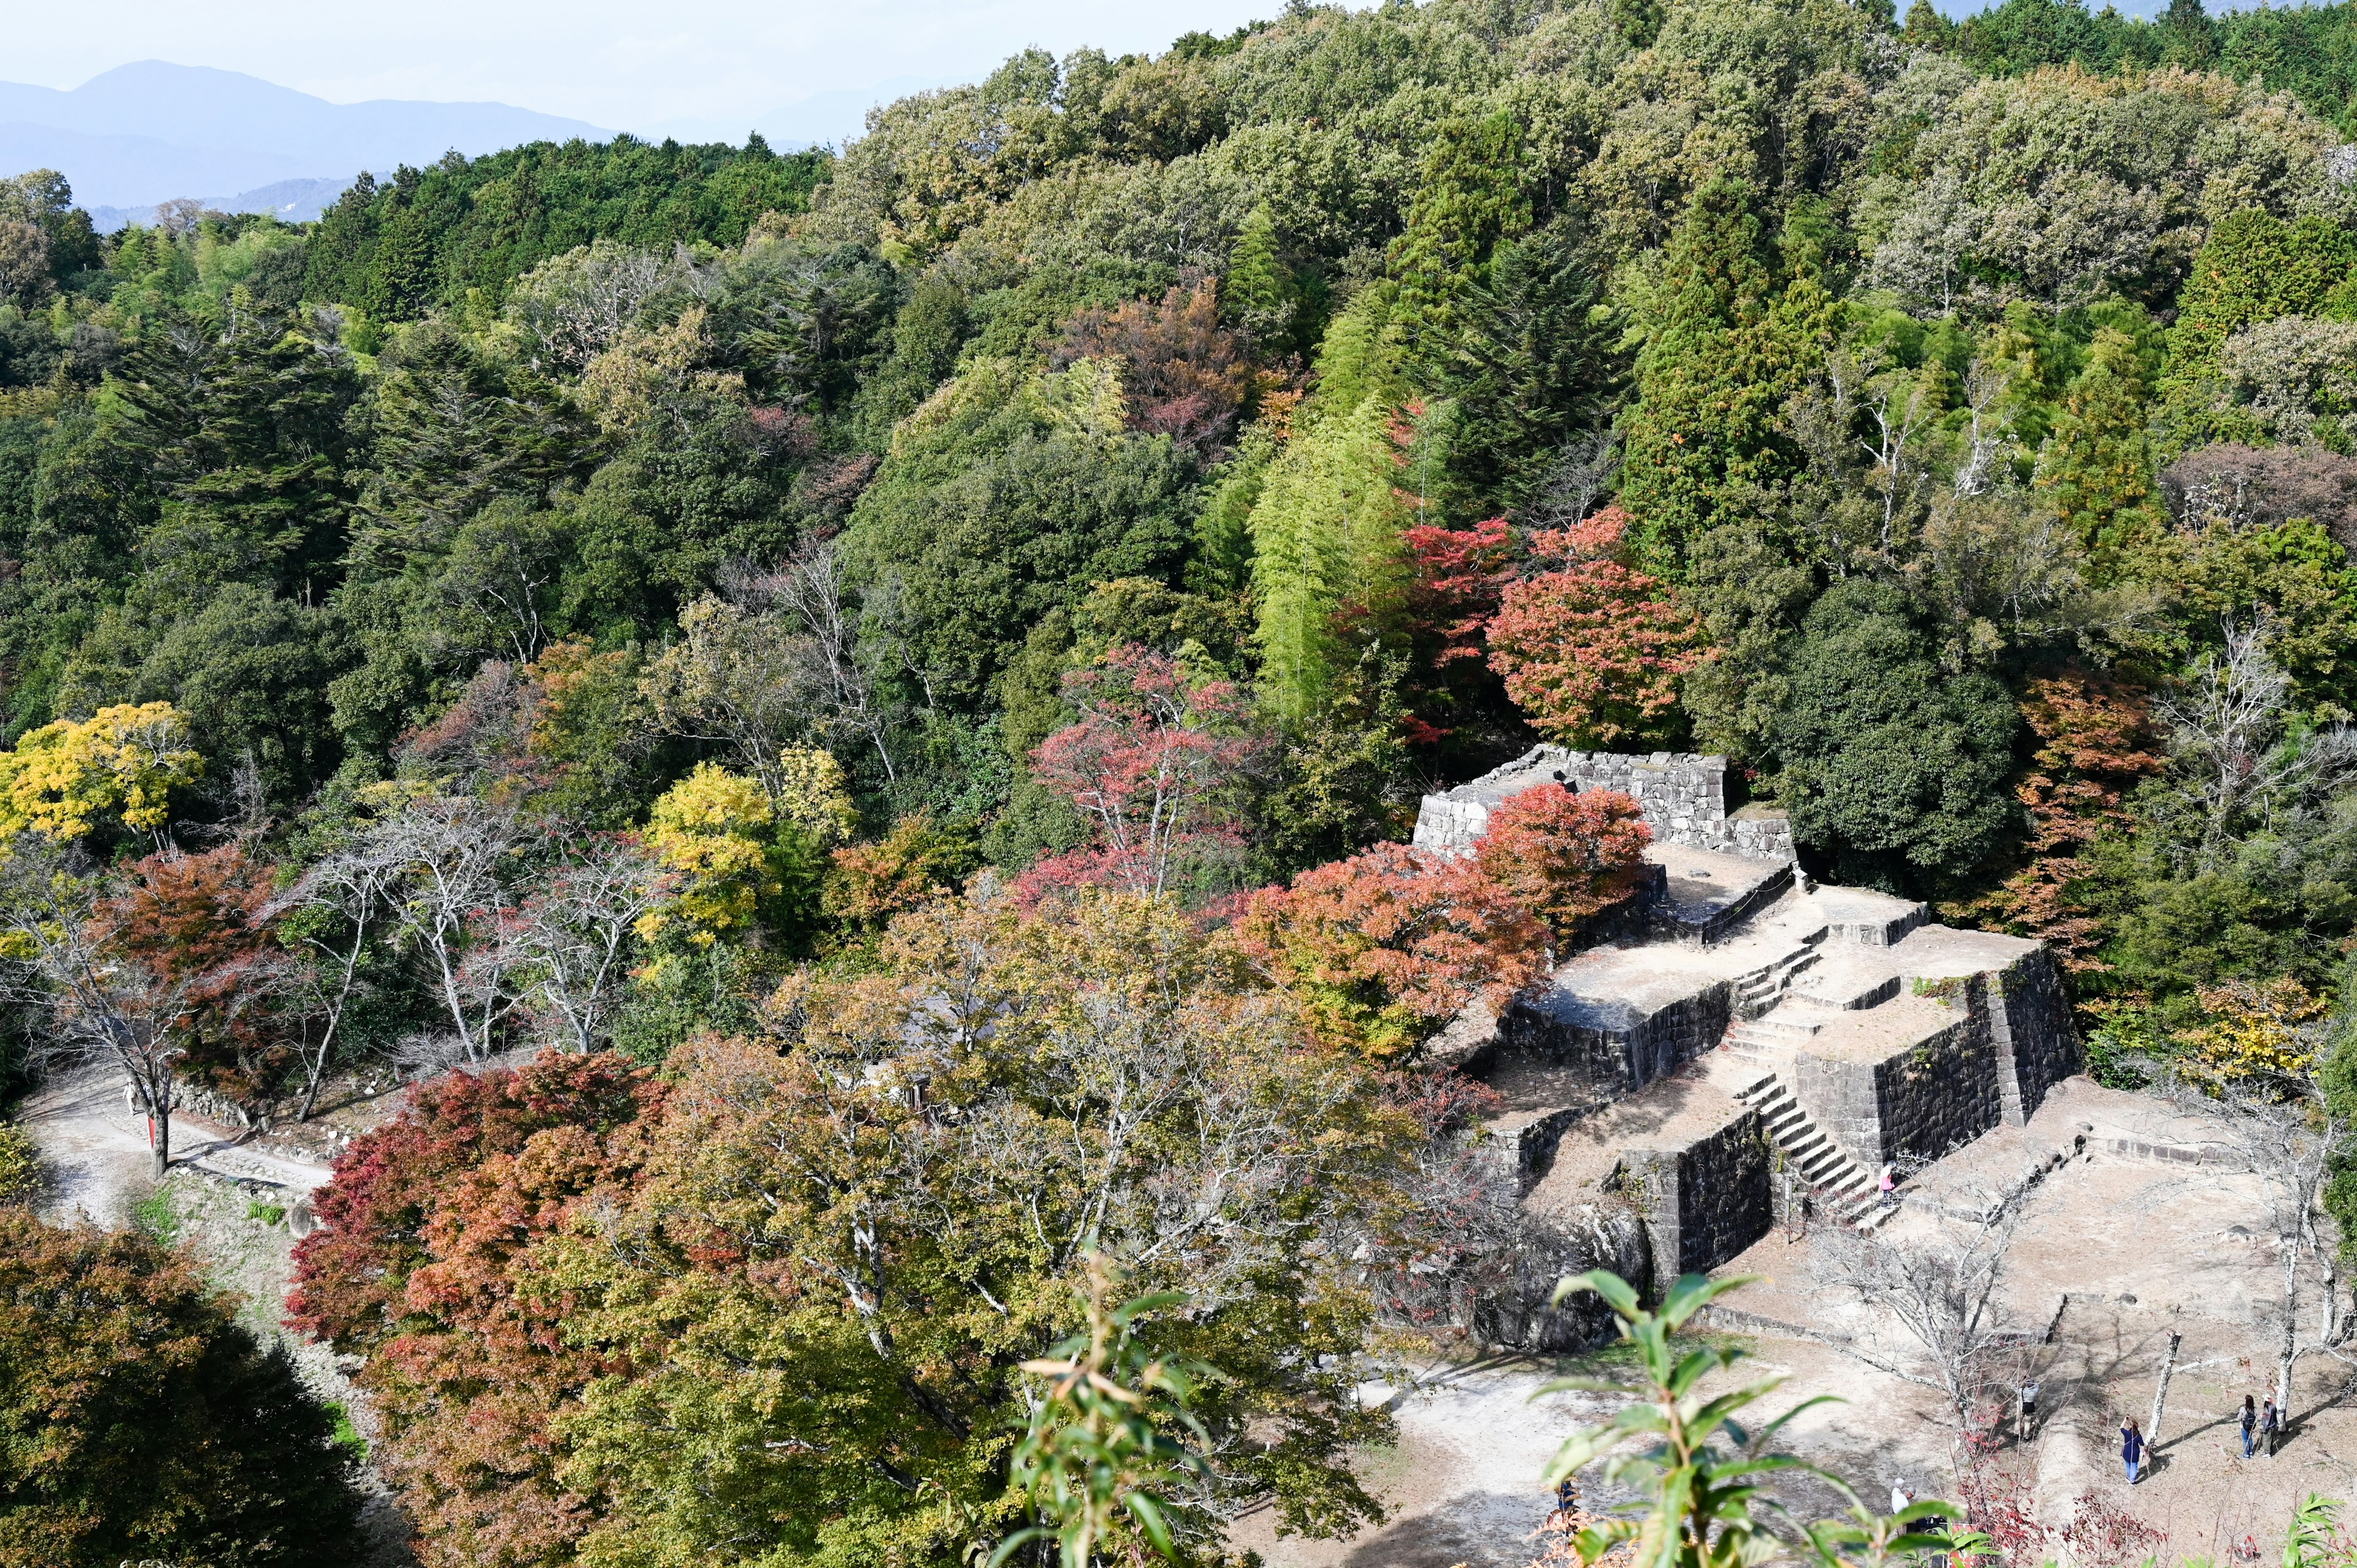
(2029, 1413)
(2250, 1423)
(2270, 1424)
(2131, 1447)
(1890, 1185)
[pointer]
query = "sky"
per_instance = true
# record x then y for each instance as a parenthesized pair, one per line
(622, 64)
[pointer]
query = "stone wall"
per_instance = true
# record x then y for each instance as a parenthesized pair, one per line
(1920, 1102)
(2029, 1026)
(1684, 797)
(1704, 1203)
(1518, 1313)
(1613, 1047)
(1515, 1149)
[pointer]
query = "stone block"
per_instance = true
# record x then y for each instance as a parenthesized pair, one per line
(1913, 1079)
(1610, 1042)
(1703, 1200)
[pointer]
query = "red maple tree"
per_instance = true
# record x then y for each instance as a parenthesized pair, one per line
(1383, 949)
(196, 925)
(1461, 574)
(1592, 649)
(1152, 764)
(425, 1221)
(1565, 856)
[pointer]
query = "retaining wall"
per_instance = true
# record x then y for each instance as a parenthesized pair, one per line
(1704, 1203)
(1684, 797)
(1517, 1314)
(1920, 1102)
(2029, 1024)
(1612, 1046)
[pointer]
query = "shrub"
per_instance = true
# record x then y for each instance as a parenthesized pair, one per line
(20, 1166)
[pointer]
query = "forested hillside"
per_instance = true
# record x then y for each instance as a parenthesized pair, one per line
(812, 624)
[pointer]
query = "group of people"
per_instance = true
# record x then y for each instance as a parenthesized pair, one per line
(2262, 1426)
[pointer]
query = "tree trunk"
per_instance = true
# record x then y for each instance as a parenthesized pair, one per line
(2332, 1320)
(160, 1119)
(2290, 1334)
(2160, 1394)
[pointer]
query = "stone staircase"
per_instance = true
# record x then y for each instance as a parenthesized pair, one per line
(1767, 1037)
(1846, 1190)
(1756, 991)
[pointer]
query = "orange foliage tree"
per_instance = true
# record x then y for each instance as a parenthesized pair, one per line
(425, 1220)
(1383, 949)
(1185, 376)
(197, 925)
(1566, 856)
(2096, 739)
(1593, 650)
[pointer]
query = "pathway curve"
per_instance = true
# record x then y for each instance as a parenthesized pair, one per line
(96, 1150)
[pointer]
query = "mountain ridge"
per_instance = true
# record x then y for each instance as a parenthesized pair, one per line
(151, 131)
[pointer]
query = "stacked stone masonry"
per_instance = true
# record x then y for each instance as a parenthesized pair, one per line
(1683, 798)
(1704, 1201)
(1900, 1038)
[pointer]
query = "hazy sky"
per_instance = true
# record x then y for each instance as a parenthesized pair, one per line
(617, 63)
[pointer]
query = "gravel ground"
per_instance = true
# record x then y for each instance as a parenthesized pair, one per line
(246, 1250)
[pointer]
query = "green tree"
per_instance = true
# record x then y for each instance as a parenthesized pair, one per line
(1529, 367)
(1470, 198)
(1697, 1470)
(1893, 767)
(1260, 290)
(1020, 496)
(2096, 469)
(138, 1420)
(1723, 347)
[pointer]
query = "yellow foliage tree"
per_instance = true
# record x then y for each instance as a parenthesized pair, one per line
(809, 794)
(2256, 1031)
(715, 829)
(124, 759)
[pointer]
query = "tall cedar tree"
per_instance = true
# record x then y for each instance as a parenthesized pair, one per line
(1724, 349)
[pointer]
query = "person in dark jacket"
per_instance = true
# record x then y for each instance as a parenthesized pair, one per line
(2270, 1424)
(2131, 1447)
(2250, 1422)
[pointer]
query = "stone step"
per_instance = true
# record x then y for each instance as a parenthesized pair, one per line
(1809, 1153)
(1823, 1164)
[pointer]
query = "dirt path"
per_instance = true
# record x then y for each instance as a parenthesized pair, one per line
(96, 1155)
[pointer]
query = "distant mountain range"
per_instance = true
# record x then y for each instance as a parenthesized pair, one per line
(289, 200)
(147, 132)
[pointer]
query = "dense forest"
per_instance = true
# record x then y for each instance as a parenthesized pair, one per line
(912, 665)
